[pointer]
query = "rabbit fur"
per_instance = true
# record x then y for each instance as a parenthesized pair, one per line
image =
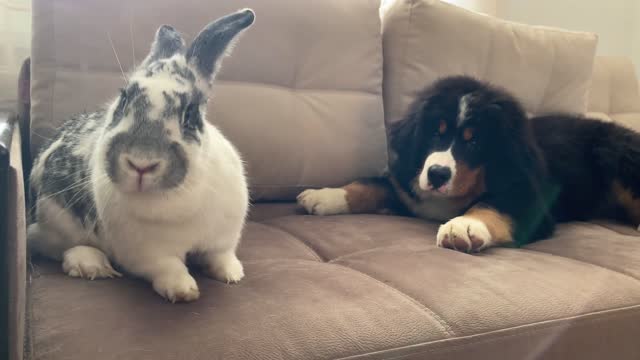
(148, 180)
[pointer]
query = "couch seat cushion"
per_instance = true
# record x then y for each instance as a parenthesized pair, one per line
(361, 286)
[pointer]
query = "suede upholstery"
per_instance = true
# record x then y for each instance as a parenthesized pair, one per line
(281, 97)
(548, 69)
(364, 286)
(340, 287)
(614, 93)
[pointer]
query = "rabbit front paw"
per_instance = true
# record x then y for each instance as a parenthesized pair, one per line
(87, 262)
(225, 267)
(177, 287)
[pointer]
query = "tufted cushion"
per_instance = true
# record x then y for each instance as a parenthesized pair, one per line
(301, 96)
(548, 69)
(362, 286)
(614, 91)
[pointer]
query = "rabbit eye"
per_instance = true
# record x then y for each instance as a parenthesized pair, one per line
(119, 112)
(123, 101)
(191, 120)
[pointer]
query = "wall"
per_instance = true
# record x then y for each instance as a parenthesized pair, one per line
(617, 22)
(15, 38)
(635, 47)
(485, 6)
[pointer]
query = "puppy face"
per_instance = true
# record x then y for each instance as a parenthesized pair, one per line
(454, 152)
(442, 149)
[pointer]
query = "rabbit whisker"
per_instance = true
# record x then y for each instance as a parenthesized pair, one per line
(117, 59)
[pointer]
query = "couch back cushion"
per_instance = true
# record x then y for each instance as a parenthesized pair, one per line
(548, 69)
(614, 91)
(300, 97)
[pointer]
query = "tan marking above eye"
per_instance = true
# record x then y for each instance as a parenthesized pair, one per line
(443, 127)
(467, 134)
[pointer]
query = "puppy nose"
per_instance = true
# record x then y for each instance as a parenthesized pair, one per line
(143, 166)
(438, 175)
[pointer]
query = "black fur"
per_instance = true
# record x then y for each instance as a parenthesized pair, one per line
(71, 174)
(67, 179)
(537, 171)
(585, 157)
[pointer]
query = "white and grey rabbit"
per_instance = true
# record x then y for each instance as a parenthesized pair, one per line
(148, 181)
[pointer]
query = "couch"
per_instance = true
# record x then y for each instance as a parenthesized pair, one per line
(349, 287)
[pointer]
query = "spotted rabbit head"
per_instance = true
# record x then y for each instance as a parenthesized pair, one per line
(156, 132)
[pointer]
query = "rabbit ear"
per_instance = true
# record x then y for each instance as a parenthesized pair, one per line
(208, 48)
(167, 43)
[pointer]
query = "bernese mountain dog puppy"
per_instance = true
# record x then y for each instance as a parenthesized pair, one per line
(467, 155)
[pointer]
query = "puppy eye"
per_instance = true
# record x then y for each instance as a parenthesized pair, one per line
(442, 127)
(191, 119)
(441, 130)
(467, 134)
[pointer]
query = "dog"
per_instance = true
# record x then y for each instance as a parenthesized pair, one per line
(468, 155)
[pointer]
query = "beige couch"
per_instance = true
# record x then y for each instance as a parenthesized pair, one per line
(614, 91)
(302, 97)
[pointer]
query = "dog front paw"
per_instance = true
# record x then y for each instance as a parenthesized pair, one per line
(464, 234)
(327, 201)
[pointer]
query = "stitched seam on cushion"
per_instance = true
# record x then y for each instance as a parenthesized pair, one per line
(367, 93)
(361, 252)
(546, 88)
(528, 332)
(269, 260)
(443, 324)
(405, 52)
(617, 233)
(529, 329)
(487, 60)
(609, 89)
(299, 238)
(262, 221)
(583, 262)
(362, 92)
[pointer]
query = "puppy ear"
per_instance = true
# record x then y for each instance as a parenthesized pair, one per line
(404, 140)
(517, 147)
(517, 174)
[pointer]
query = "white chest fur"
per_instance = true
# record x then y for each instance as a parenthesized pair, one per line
(431, 207)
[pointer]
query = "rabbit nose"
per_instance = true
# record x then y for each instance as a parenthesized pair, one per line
(143, 166)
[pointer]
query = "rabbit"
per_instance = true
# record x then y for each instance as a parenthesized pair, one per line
(148, 180)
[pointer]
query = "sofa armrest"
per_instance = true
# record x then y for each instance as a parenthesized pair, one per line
(7, 126)
(13, 256)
